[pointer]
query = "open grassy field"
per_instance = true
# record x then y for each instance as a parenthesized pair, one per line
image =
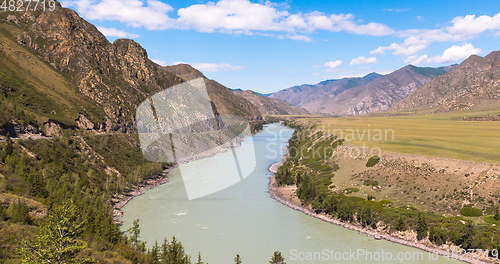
(442, 135)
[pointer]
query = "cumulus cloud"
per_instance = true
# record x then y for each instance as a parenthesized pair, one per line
(150, 14)
(461, 28)
(471, 25)
(213, 67)
(332, 65)
(363, 60)
(344, 22)
(452, 54)
(230, 16)
(409, 46)
(113, 32)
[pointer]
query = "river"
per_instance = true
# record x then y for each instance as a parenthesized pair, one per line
(243, 219)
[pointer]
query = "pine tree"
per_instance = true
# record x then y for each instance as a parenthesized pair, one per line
(18, 212)
(58, 239)
(277, 258)
(366, 217)
(497, 213)
(173, 253)
(2, 213)
(401, 226)
(468, 236)
(134, 232)
(199, 261)
(237, 259)
(155, 254)
(9, 149)
(421, 227)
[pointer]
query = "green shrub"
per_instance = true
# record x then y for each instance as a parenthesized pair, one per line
(490, 219)
(372, 161)
(370, 182)
(18, 212)
(471, 211)
(2, 213)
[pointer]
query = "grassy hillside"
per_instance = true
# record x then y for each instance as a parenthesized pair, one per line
(442, 135)
(32, 87)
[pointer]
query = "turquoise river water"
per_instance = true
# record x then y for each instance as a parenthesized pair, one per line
(243, 219)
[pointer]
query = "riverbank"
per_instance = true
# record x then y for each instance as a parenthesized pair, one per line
(119, 201)
(286, 196)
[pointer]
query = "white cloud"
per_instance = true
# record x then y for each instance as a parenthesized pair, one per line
(397, 10)
(296, 37)
(150, 14)
(344, 22)
(363, 60)
(461, 28)
(159, 62)
(113, 32)
(213, 67)
(452, 54)
(471, 25)
(332, 65)
(409, 46)
(229, 16)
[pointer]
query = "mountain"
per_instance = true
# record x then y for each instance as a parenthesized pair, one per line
(260, 102)
(474, 84)
(307, 93)
(363, 95)
(270, 106)
(58, 71)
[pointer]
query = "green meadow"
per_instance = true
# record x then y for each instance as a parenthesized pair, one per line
(441, 135)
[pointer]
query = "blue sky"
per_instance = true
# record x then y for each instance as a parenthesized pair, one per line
(266, 46)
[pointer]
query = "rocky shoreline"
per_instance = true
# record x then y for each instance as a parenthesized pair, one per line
(119, 201)
(289, 199)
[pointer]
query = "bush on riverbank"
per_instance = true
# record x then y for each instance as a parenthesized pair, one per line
(471, 211)
(372, 161)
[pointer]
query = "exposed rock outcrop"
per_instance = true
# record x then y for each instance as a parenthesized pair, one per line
(474, 84)
(52, 128)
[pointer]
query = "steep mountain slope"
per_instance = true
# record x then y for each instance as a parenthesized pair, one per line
(474, 84)
(270, 106)
(358, 96)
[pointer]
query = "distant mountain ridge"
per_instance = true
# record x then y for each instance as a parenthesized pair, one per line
(474, 84)
(360, 95)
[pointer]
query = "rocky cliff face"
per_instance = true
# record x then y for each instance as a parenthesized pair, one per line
(359, 96)
(474, 84)
(116, 76)
(55, 65)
